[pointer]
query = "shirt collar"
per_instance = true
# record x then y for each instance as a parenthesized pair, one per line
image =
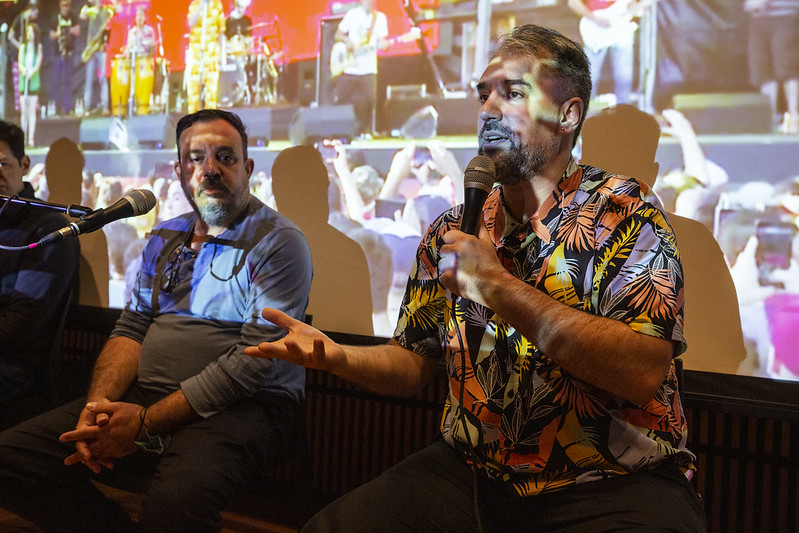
(505, 225)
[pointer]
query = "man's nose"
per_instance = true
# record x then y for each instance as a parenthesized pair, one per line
(210, 167)
(489, 109)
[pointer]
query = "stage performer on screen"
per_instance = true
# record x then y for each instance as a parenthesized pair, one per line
(97, 15)
(237, 43)
(64, 35)
(361, 32)
(608, 28)
(17, 32)
(238, 30)
(29, 60)
(141, 37)
(203, 55)
(774, 55)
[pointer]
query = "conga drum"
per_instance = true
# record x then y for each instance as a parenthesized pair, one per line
(120, 84)
(143, 84)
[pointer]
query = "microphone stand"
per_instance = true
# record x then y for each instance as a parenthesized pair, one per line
(164, 68)
(71, 210)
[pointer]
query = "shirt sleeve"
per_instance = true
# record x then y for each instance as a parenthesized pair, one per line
(641, 283)
(280, 277)
(381, 26)
(421, 323)
(346, 22)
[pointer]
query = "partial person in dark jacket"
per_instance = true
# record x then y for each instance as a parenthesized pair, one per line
(35, 286)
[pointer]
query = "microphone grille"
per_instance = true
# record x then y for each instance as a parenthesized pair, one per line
(143, 201)
(480, 172)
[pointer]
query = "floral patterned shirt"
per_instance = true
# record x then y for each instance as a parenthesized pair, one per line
(600, 243)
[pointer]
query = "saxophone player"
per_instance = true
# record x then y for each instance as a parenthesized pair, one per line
(97, 14)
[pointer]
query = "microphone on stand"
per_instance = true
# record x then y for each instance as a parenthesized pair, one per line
(136, 202)
(71, 210)
(478, 179)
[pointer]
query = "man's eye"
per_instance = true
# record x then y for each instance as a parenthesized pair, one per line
(513, 95)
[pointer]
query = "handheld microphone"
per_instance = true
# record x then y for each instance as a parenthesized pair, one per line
(478, 178)
(136, 202)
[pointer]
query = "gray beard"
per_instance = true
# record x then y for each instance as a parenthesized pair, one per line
(215, 214)
(221, 213)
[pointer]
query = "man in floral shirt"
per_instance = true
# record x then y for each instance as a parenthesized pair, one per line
(558, 323)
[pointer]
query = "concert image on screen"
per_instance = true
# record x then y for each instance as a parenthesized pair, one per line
(382, 94)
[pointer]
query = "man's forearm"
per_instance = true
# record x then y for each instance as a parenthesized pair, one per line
(115, 370)
(601, 351)
(169, 413)
(388, 369)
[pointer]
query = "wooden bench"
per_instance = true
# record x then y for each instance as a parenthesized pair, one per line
(748, 452)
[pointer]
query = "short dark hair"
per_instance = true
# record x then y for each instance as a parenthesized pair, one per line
(13, 136)
(209, 115)
(560, 59)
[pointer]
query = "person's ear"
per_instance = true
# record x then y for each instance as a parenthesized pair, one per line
(25, 164)
(571, 112)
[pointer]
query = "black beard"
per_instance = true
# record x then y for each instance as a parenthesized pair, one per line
(519, 162)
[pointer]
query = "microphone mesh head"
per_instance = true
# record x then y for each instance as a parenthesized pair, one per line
(143, 201)
(480, 172)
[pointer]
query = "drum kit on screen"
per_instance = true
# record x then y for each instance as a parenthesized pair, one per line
(250, 66)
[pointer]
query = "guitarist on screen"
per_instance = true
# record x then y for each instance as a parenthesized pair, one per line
(609, 27)
(360, 34)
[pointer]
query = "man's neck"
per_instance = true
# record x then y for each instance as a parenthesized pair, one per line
(523, 199)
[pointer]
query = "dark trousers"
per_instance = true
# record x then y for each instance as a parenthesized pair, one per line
(185, 489)
(361, 92)
(63, 68)
(433, 490)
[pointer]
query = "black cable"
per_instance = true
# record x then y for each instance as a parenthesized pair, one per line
(17, 248)
(462, 416)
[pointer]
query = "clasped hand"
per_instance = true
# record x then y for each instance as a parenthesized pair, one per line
(105, 431)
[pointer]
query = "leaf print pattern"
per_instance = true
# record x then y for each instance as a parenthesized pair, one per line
(600, 243)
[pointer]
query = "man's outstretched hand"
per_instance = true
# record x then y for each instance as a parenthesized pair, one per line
(302, 345)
